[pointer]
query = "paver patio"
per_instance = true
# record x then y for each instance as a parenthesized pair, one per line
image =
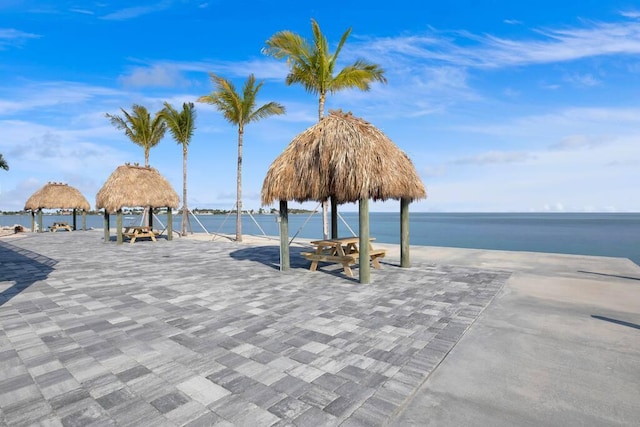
(190, 332)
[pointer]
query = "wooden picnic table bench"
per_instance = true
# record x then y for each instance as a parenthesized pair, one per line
(60, 225)
(341, 251)
(139, 232)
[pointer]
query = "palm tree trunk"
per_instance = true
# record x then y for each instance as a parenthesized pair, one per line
(239, 189)
(325, 207)
(185, 210)
(146, 157)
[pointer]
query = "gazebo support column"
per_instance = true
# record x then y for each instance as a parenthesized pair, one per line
(404, 233)
(151, 217)
(74, 219)
(40, 220)
(284, 236)
(119, 238)
(365, 264)
(84, 220)
(107, 236)
(169, 223)
(334, 218)
(33, 221)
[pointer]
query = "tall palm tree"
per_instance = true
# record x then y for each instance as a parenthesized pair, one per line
(181, 125)
(3, 163)
(140, 128)
(240, 110)
(313, 66)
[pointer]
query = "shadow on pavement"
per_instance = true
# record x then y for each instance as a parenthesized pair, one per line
(23, 267)
(616, 321)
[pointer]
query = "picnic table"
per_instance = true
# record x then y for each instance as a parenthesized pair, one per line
(341, 251)
(135, 232)
(60, 225)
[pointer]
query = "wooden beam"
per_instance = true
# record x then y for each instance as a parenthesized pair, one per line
(119, 238)
(84, 220)
(74, 219)
(169, 223)
(284, 236)
(365, 267)
(405, 260)
(107, 235)
(33, 221)
(334, 218)
(40, 230)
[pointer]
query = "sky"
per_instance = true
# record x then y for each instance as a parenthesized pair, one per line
(502, 106)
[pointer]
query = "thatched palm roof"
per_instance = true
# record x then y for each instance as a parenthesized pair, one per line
(345, 158)
(56, 195)
(133, 186)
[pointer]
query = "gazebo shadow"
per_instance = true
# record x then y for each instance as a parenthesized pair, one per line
(23, 267)
(270, 256)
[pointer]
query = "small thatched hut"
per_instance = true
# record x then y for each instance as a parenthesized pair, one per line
(135, 186)
(56, 195)
(345, 159)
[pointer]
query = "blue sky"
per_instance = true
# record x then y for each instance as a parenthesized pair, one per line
(501, 105)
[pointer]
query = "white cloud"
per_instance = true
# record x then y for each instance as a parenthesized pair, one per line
(577, 142)
(488, 51)
(136, 11)
(495, 157)
(50, 94)
(582, 80)
(11, 36)
(162, 75)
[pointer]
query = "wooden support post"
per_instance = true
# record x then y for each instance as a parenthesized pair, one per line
(119, 238)
(84, 220)
(40, 230)
(334, 218)
(107, 236)
(169, 223)
(151, 218)
(404, 233)
(33, 221)
(284, 236)
(365, 267)
(74, 219)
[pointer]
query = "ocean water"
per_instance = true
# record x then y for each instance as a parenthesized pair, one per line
(603, 234)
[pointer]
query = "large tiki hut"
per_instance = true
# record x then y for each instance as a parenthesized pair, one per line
(56, 195)
(344, 159)
(135, 186)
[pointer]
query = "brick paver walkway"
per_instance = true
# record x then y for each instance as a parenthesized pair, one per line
(204, 333)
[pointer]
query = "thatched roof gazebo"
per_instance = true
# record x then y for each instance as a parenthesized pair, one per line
(135, 186)
(56, 195)
(345, 159)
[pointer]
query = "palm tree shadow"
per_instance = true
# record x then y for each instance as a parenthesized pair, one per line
(23, 267)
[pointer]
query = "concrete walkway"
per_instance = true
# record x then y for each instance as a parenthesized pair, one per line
(194, 332)
(559, 346)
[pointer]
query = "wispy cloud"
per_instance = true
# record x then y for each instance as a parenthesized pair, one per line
(495, 157)
(579, 142)
(50, 94)
(466, 49)
(137, 11)
(13, 37)
(165, 73)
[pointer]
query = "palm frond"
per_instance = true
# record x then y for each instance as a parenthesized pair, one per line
(3, 163)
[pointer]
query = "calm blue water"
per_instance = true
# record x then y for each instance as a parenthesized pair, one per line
(606, 234)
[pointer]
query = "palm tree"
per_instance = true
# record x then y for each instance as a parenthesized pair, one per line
(3, 163)
(313, 66)
(181, 125)
(140, 128)
(240, 110)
